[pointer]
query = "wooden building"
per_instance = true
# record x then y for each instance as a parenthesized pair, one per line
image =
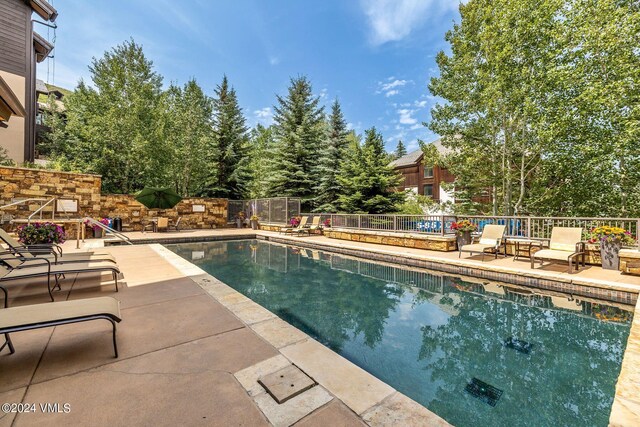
(421, 179)
(21, 48)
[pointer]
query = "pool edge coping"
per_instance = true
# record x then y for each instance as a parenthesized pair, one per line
(385, 404)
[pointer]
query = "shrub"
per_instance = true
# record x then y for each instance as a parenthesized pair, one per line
(41, 232)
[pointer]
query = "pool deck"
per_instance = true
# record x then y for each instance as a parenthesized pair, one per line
(192, 348)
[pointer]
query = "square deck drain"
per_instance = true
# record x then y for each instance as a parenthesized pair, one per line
(286, 383)
(518, 345)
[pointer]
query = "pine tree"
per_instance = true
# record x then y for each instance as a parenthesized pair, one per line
(261, 142)
(229, 155)
(298, 137)
(367, 178)
(401, 150)
(333, 152)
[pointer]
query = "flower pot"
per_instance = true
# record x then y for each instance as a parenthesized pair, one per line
(97, 233)
(464, 238)
(254, 224)
(239, 223)
(609, 254)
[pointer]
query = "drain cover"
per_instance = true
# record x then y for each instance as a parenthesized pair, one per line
(286, 383)
(483, 391)
(518, 345)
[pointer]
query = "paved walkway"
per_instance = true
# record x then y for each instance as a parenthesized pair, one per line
(179, 352)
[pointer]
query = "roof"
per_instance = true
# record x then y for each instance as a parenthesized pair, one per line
(415, 157)
(410, 159)
(41, 87)
(42, 47)
(43, 9)
(9, 103)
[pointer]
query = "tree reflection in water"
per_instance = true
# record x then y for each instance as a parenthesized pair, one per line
(428, 335)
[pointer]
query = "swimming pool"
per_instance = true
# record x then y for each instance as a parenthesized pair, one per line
(541, 359)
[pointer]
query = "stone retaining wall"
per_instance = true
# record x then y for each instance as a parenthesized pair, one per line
(23, 183)
(407, 240)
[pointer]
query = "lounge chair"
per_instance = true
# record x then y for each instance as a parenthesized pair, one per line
(315, 223)
(36, 316)
(301, 226)
(51, 252)
(14, 268)
(565, 245)
(491, 240)
(163, 224)
(176, 226)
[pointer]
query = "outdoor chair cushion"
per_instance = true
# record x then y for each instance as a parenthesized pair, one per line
(477, 247)
(565, 238)
(553, 254)
(40, 313)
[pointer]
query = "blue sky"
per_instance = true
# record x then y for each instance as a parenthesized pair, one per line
(376, 56)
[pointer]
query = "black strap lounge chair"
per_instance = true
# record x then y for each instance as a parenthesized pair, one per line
(14, 268)
(36, 316)
(51, 252)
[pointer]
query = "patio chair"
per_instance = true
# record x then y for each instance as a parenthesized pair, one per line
(566, 245)
(315, 223)
(163, 224)
(176, 226)
(491, 240)
(301, 226)
(15, 268)
(36, 316)
(51, 252)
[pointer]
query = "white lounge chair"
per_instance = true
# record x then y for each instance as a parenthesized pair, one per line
(491, 240)
(566, 245)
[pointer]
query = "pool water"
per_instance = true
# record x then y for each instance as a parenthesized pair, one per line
(429, 335)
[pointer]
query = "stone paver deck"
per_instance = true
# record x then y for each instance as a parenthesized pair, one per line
(179, 351)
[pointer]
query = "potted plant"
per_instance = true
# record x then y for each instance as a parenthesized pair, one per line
(327, 223)
(463, 230)
(97, 230)
(611, 240)
(240, 218)
(41, 233)
(254, 221)
(295, 221)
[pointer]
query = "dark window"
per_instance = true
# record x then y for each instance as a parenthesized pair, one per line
(428, 190)
(428, 172)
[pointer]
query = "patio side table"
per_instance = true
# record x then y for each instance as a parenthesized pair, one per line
(522, 247)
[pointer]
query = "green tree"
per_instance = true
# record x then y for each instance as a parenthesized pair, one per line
(114, 126)
(401, 150)
(189, 134)
(261, 144)
(228, 157)
(368, 180)
(537, 93)
(298, 129)
(331, 157)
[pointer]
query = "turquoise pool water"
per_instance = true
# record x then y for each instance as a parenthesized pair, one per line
(429, 335)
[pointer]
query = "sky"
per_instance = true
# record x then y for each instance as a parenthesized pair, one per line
(375, 56)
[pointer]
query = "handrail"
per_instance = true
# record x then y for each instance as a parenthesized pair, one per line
(39, 210)
(107, 229)
(21, 201)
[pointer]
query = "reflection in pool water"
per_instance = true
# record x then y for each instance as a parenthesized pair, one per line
(428, 335)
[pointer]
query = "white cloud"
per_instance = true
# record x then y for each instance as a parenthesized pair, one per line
(393, 20)
(391, 86)
(406, 117)
(420, 104)
(264, 116)
(323, 93)
(274, 60)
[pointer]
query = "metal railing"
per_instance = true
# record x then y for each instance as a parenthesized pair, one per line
(275, 210)
(105, 228)
(8, 218)
(516, 226)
